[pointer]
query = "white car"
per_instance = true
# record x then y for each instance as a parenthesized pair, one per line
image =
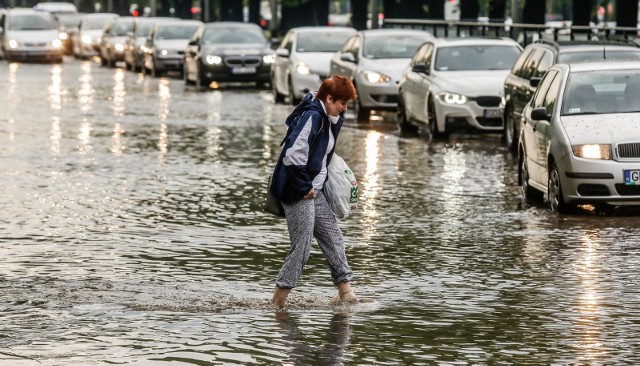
(302, 60)
(87, 40)
(456, 83)
(374, 60)
(29, 35)
(580, 142)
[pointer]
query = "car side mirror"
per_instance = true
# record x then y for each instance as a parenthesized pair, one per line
(420, 68)
(274, 42)
(282, 52)
(535, 81)
(346, 56)
(540, 114)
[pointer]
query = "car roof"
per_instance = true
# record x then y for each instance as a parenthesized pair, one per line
(386, 31)
(173, 23)
(584, 45)
(231, 24)
(323, 29)
(26, 11)
(603, 65)
(472, 41)
(99, 15)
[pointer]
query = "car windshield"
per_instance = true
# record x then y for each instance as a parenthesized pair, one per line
(321, 41)
(392, 46)
(31, 22)
(68, 20)
(176, 32)
(95, 23)
(233, 35)
(476, 57)
(602, 92)
(587, 56)
(121, 28)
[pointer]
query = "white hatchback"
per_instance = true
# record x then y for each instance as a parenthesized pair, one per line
(29, 35)
(580, 138)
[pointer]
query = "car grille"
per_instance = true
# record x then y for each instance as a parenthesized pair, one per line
(625, 190)
(237, 61)
(488, 101)
(631, 150)
(34, 44)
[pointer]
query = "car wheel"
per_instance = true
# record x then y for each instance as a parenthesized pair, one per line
(554, 191)
(510, 133)
(201, 83)
(277, 97)
(154, 71)
(292, 97)
(361, 113)
(528, 193)
(433, 121)
(406, 128)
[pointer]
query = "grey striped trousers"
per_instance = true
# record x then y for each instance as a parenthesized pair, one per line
(307, 219)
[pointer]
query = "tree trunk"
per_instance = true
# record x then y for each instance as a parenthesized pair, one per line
(254, 12)
(533, 12)
(390, 9)
(626, 13)
(497, 10)
(582, 12)
(322, 12)
(435, 9)
(359, 14)
(469, 10)
(230, 10)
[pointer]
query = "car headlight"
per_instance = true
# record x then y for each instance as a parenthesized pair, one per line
(13, 43)
(302, 69)
(119, 47)
(56, 43)
(86, 39)
(269, 59)
(592, 151)
(453, 98)
(164, 52)
(213, 60)
(375, 77)
(63, 36)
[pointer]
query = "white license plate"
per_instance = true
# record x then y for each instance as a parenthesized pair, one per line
(632, 177)
(492, 113)
(243, 70)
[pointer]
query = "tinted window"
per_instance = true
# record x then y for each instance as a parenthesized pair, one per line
(321, 41)
(476, 57)
(541, 92)
(544, 63)
(598, 55)
(392, 46)
(517, 68)
(552, 95)
(234, 35)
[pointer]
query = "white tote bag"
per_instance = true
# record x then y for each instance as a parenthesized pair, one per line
(341, 188)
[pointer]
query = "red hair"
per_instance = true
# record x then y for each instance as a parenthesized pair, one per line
(339, 87)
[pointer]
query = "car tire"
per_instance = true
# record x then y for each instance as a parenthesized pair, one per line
(201, 83)
(406, 128)
(292, 99)
(277, 97)
(510, 133)
(434, 130)
(528, 193)
(554, 191)
(361, 113)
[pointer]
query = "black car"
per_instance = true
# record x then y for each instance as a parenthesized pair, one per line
(537, 58)
(228, 51)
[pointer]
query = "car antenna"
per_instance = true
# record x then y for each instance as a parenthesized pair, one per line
(604, 51)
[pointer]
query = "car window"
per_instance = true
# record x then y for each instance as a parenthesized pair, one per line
(176, 32)
(519, 65)
(392, 46)
(476, 57)
(552, 94)
(603, 91)
(321, 41)
(121, 28)
(531, 65)
(354, 48)
(31, 22)
(418, 57)
(234, 35)
(346, 47)
(587, 56)
(541, 92)
(94, 23)
(545, 62)
(287, 42)
(428, 56)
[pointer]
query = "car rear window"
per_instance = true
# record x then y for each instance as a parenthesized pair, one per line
(392, 46)
(321, 41)
(587, 56)
(476, 57)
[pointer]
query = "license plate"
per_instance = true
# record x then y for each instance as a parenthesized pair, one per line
(243, 70)
(492, 113)
(632, 177)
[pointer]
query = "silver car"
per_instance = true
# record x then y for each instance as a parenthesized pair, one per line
(29, 35)
(164, 48)
(374, 60)
(580, 141)
(113, 40)
(87, 40)
(456, 83)
(302, 60)
(134, 45)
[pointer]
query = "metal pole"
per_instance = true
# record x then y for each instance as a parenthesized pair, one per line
(152, 5)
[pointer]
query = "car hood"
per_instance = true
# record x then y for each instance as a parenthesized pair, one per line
(172, 44)
(602, 128)
(319, 62)
(392, 67)
(46, 35)
(472, 83)
(92, 32)
(236, 49)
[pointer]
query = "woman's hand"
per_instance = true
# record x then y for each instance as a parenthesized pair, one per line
(311, 195)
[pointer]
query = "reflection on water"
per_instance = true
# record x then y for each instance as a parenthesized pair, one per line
(134, 233)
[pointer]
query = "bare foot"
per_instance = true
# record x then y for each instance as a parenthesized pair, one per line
(280, 297)
(344, 298)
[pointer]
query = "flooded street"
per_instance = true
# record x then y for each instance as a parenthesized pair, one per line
(132, 232)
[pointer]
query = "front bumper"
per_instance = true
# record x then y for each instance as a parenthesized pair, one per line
(168, 62)
(33, 54)
(223, 72)
(468, 115)
(302, 84)
(378, 96)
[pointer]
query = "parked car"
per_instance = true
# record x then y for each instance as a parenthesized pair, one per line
(134, 46)
(580, 142)
(228, 51)
(537, 58)
(303, 59)
(456, 83)
(29, 35)
(86, 42)
(165, 45)
(113, 40)
(374, 60)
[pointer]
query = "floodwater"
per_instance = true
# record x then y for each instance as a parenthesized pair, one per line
(132, 233)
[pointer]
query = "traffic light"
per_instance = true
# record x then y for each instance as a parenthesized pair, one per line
(133, 10)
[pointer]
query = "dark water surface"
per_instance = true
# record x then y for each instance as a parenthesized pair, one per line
(132, 233)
